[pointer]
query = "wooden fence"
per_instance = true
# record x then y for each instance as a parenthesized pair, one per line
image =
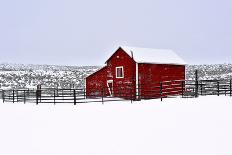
(160, 90)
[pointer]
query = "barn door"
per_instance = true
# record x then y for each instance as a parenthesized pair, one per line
(110, 87)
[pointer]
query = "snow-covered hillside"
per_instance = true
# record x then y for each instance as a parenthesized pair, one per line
(21, 76)
(196, 126)
(210, 72)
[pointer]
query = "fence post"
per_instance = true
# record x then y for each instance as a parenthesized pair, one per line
(13, 95)
(28, 93)
(24, 96)
(3, 96)
(54, 96)
(230, 87)
(102, 91)
(37, 97)
(161, 91)
(196, 83)
(218, 88)
(225, 91)
(74, 95)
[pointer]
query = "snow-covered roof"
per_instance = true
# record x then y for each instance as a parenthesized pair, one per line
(156, 56)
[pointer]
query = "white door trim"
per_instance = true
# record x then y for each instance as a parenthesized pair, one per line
(137, 80)
(107, 82)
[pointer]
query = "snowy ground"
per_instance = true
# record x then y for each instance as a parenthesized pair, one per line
(196, 126)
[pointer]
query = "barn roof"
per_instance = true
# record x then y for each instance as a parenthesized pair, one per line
(157, 56)
(154, 56)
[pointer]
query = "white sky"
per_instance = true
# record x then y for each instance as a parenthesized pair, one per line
(74, 32)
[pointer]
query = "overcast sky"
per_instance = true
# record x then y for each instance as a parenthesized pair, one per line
(73, 32)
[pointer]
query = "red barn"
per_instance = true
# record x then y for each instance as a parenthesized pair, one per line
(132, 72)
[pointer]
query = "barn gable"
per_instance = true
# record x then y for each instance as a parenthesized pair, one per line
(120, 59)
(118, 50)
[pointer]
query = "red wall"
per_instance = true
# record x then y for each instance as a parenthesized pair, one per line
(150, 76)
(95, 82)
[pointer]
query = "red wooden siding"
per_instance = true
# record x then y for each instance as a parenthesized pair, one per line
(150, 76)
(95, 82)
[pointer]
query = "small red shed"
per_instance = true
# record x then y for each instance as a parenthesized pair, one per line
(132, 72)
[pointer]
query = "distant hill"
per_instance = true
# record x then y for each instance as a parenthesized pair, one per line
(29, 76)
(210, 72)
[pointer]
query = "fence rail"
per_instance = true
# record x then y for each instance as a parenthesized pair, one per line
(159, 90)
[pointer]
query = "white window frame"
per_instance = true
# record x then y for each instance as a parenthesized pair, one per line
(117, 72)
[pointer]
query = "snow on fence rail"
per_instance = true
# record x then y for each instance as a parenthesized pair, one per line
(159, 90)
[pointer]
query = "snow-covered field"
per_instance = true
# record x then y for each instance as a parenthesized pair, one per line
(194, 126)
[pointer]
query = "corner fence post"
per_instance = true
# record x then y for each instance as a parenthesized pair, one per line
(218, 88)
(161, 91)
(74, 96)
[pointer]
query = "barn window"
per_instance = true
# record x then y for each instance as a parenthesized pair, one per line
(119, 72)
